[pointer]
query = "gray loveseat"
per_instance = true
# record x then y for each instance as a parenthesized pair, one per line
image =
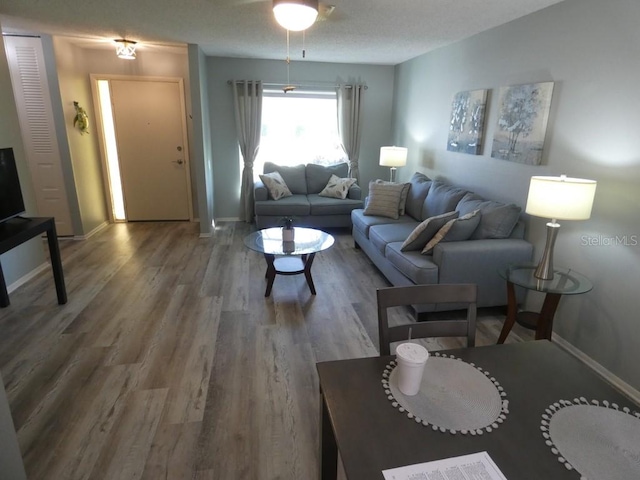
(307, 207)
(496, 241)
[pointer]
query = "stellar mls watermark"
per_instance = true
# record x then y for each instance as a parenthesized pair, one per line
(609, 240)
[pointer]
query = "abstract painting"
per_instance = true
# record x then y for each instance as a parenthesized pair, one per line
(522, 122)
(466, 127)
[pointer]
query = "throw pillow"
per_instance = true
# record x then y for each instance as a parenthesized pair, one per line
(497, 220)
(456, 230)
(441, 198)
(337, 187)
(384, 199)
(275, 184)
(425, 231)
(403, 196)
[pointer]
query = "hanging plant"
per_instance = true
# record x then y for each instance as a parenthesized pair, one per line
(81, 120)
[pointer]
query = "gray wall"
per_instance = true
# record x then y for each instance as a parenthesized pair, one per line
(378, 103)
(28, 256)
(590, 49)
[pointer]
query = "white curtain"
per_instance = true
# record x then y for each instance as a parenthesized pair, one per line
(350, 123)
(247, 100)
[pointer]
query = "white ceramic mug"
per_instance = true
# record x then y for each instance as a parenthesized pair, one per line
(411, 359)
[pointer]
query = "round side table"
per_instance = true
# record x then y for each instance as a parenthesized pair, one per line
(564, 282)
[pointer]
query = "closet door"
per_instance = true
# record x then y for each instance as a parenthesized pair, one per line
(33, 102)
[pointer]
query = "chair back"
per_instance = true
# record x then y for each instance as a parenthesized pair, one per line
(465, 294)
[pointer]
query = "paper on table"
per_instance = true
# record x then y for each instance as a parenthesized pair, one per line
(476, 466)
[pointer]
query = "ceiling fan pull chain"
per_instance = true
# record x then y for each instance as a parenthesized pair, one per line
(304, 51)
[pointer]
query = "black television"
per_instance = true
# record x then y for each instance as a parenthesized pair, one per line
(11, 201)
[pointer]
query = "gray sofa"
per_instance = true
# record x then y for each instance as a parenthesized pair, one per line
(307, 207)
(475, 260)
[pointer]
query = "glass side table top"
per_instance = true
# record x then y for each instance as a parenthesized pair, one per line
(305, 242)
(564, 282)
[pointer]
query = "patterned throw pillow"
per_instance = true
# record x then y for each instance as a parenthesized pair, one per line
(337, 187)
(275, 184)
(456, 230)
(403, 196)
(384, 199)
(425, 231)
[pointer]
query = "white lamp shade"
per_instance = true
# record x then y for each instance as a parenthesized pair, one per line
(561, 198)
(393, 156)
(295, 15)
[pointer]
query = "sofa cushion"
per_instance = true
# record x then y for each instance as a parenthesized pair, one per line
(294, 177)
(381, 235)
(420, 269)
(425, 231)
(285, 207)
(331, 206)
(403, 195)
(418, 191)
(456, 230)
(384, 199)
(275, 185)
(337, 187)
(364, 222)
(497, 219)
(317, 176)
(441, 198)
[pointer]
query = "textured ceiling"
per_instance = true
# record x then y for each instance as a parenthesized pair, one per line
(358, 31)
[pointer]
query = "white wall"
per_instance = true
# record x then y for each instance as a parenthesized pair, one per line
(589, 48)
(378, 104)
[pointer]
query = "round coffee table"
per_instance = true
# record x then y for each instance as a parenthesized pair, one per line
(289, 258)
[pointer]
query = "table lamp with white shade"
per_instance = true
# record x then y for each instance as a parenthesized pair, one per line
(558, 198)
(393, 157)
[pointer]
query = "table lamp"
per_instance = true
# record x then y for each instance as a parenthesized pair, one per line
(393, 157)
(558, 198)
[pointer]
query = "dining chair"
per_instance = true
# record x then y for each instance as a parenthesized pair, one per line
(463, 294)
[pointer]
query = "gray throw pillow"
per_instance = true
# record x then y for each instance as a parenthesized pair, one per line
(425, 231)
(418, 191)
(403, 196)
(441, 198)
(497, 219)
(384, 199)
(317, 176)
(456, 230)
(337, 187)
(276, 185)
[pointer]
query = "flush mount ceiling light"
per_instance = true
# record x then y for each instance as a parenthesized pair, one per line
(295, 15)
(126, 49)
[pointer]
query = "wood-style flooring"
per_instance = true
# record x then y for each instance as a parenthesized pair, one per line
(169, 363)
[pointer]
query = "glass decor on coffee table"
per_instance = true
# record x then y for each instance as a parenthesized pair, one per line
(289, 257)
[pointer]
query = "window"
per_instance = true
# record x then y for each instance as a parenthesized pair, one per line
(299, 127)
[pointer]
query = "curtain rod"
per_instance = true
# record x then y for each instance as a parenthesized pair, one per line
(301, 85)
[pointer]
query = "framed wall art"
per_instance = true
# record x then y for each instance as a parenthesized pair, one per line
(523, 113)
(466, 127)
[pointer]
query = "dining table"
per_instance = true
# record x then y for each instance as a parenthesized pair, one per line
(538, 412)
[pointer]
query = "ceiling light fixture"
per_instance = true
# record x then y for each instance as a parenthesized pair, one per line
(126, 49)
(295, 15)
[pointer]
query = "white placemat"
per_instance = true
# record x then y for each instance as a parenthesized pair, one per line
(599, 440)
(454, 396)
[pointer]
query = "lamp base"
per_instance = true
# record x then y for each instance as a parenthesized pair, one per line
(392, 177)
(544, 271)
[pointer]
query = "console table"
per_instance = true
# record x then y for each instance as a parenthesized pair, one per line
(18, 230)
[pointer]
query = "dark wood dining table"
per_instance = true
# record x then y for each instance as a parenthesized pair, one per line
(358, 421)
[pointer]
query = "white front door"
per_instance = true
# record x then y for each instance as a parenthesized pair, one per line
(152, 150)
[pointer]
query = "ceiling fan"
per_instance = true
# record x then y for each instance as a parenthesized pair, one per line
(298, 15)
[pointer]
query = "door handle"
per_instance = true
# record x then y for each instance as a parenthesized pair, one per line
(179, 161)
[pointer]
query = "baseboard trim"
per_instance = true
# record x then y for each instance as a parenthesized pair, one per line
(611, 378)
(32, 274)
(228, 219)
(92, 232)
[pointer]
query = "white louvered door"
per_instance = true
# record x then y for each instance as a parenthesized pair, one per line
(33, 102)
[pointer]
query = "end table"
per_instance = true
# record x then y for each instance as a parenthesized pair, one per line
(564, 282)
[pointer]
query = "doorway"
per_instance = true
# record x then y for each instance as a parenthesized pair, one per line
(145, 148)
